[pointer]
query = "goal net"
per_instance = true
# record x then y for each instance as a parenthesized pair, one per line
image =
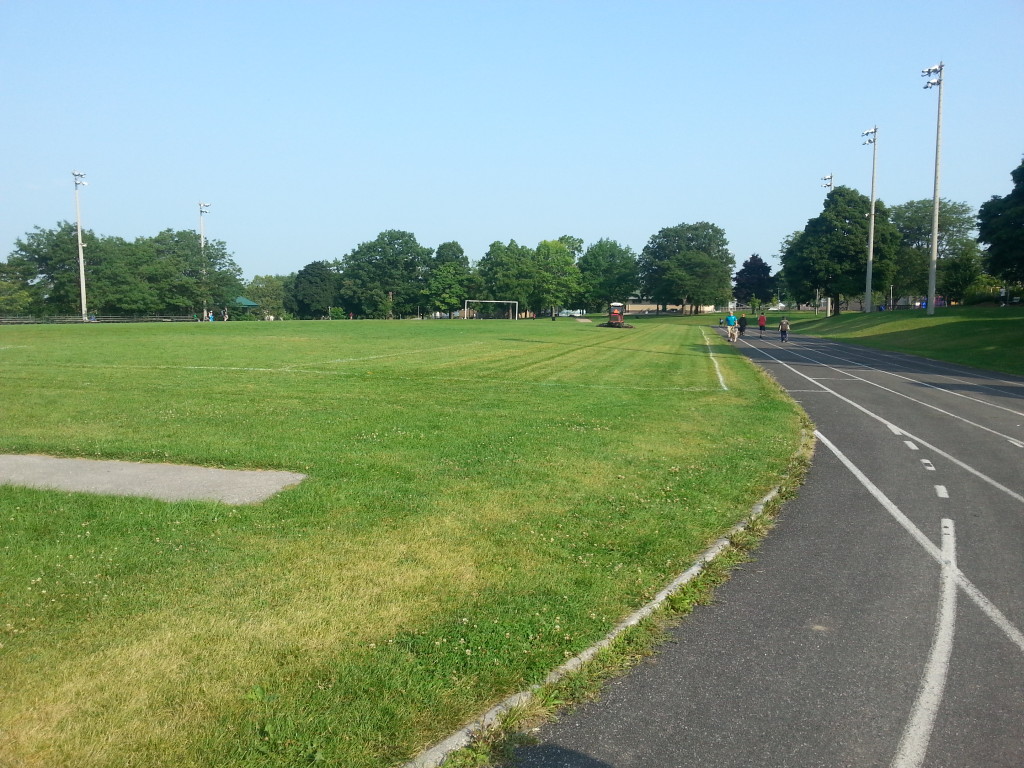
(514, 309)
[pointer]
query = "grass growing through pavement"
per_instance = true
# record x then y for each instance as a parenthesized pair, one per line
(484, 499)
(984, 337)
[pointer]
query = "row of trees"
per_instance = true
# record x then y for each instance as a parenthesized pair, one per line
(390, 276)
(394, 276)
(169, 274)
(829, 256)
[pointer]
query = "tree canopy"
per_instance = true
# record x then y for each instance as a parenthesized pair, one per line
(608, 272)
(166, 274)
(909, 273)
(1001, 227)
(830, 254)
(687, 263)
(754, 283)
(386, 276)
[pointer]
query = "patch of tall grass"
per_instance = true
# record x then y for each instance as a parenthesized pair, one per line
(484, 499)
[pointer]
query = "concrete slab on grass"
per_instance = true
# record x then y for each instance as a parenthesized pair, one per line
(167, 482)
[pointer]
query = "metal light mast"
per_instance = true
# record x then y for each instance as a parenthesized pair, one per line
(935, 82)
(872, 139)
(81, 256)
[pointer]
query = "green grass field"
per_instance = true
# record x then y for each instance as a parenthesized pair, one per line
(983, 337)
(484, 499)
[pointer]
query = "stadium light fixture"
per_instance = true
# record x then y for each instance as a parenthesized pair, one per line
(935, 82)
(203, 209)
(828, 183)
(871, 137)
(80, 182)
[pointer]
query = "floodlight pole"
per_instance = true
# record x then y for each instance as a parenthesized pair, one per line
(78, 177)
(935, 82)
(869, 303)
(202, 251)
(828, 183)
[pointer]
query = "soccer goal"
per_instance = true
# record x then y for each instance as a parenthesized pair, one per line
(465, 309)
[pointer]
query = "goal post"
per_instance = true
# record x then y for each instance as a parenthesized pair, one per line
(465, 308)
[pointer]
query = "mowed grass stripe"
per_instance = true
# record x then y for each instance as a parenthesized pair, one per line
(458, 534)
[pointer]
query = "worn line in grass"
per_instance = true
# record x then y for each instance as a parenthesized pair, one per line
(354, 374)
(380, 357)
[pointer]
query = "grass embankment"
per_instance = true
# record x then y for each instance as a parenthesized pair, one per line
(983, 337)
(484, 499)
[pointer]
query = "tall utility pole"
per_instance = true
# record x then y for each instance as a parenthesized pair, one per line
(828, 183)
(935, 82)
(872, 139)
(81, 256)
(202, 252)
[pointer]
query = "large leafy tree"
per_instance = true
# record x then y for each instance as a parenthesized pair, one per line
(830, 254)
(507, 273)
(754, 283)
(192, 275)
(608, 272)
(666, 263)
(165, 274)
(910, 265)
(45, 265)
(447, 287)
(959, 272)
(268, 291)
(15, 299)
(386, 276)
(448, 278)
(314, 291)
(1001, 227)
(556, 276)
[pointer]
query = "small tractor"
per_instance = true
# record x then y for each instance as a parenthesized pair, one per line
(616, 316)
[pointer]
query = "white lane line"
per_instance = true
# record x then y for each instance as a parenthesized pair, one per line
(920, 383)
(899, 431)
(406, 353)
(928, 465)
(914, 744)
(714, 359)
(987, 606)
(950, 414)
(941, 492)
(911, 445)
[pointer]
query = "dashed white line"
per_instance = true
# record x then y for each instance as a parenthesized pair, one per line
(941, 492)
(1012, 441)
(898, 431)
(910, 444)
(987, 606)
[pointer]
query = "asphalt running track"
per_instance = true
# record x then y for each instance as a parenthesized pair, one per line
(881, 622)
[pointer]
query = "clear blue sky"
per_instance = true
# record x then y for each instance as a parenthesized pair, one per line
(310, 127)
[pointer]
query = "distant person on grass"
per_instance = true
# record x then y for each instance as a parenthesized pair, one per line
(784, 329)
(762, 321)
(730, 324)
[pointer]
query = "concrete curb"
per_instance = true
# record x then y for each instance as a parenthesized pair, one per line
(464, 737)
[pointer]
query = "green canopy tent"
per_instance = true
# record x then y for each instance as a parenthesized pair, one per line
(243, 303)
